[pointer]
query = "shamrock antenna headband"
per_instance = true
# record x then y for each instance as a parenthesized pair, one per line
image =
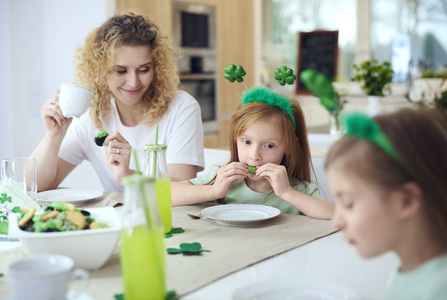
(362, 126)
(262, 94)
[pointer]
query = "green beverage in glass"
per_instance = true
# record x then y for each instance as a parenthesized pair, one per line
(155, 167)
(142, 269)
(142, 241)
(163, 192)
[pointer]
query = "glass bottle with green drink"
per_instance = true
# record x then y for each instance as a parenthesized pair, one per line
(142, 241)
(155, 167)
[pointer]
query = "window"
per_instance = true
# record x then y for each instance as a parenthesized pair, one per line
(284, 19)
(410, 34)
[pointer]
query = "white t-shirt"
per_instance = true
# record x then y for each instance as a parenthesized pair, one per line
(180, 129)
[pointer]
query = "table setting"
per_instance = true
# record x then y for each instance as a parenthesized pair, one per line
(213, 251)
(231, 247)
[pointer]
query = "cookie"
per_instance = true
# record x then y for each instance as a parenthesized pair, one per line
(27, 216)
(100, 137)
(76, 218)
(51, 215)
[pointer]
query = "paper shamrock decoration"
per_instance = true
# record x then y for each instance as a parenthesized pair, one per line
(321, 87)
(174, 230)
(5, 198)
(285, 75)
(170, 295)
(234, 73)
(186, 248)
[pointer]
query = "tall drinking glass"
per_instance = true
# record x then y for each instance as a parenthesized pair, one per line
(155, 167)
(142, 242)
(23, 172)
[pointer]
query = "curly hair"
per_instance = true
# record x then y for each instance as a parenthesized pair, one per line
(95, 59)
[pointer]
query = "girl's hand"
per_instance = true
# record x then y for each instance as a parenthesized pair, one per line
(55, 122)
(276, 175)
(226, 176)
(118, 152)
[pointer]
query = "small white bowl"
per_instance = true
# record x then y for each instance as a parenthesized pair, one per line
(90, 249)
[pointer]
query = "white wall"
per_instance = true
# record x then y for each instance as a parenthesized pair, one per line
(38, 39)
(6, 135)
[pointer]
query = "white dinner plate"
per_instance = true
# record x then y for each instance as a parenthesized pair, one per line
(69, 195)
(240, 214)
(295, 290)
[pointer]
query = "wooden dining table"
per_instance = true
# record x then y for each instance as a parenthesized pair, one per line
(284, 248)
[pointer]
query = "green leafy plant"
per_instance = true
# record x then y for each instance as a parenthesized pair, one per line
(433, 74)
(374, 77)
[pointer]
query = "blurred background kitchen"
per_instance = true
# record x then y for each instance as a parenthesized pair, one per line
(38, 38)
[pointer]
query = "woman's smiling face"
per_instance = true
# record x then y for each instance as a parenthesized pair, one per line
(132, 74)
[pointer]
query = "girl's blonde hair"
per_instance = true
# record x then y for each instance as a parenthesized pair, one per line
(420, 138)
(95, 59)
(297, 152)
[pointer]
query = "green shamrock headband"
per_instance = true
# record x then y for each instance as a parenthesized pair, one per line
(361, 125)
(283, 75)
(267, 96)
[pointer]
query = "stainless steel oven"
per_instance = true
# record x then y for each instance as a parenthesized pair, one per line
(195, 34)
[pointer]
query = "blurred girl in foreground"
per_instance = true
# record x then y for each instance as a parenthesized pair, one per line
(388, 176)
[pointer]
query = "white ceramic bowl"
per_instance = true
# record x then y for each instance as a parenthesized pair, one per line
(90, 249)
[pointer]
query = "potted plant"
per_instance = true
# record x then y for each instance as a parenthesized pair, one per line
(374, 79)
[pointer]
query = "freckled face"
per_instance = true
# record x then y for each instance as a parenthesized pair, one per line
(364, 214)
(132, 74)
(259, 144)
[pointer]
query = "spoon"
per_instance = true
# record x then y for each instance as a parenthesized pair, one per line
(194, 216)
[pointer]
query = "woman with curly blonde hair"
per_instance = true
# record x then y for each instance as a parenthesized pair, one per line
(129, 65)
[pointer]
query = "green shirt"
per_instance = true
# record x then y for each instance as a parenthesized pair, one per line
(426, 282)
(240, 193)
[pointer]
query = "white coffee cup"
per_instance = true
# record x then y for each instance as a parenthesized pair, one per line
(74, 100)
(44, 277)
(23, 172)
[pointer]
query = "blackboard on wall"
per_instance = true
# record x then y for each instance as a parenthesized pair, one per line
(317, 50)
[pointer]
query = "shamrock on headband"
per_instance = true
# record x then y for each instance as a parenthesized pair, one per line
(285, 75)
(233, 72)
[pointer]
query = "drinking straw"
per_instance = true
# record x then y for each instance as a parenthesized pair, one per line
(146, 207)
(154, 158)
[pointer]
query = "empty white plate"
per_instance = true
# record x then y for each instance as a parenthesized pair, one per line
(69, 195)
(240, 214)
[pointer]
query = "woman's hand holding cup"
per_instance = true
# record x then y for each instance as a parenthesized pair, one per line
(55, 122)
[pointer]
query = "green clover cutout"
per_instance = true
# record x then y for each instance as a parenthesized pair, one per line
(188, 249)
(170, 295)
(285, 75)
(233, 72)
(174, 230)
(5, 198)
